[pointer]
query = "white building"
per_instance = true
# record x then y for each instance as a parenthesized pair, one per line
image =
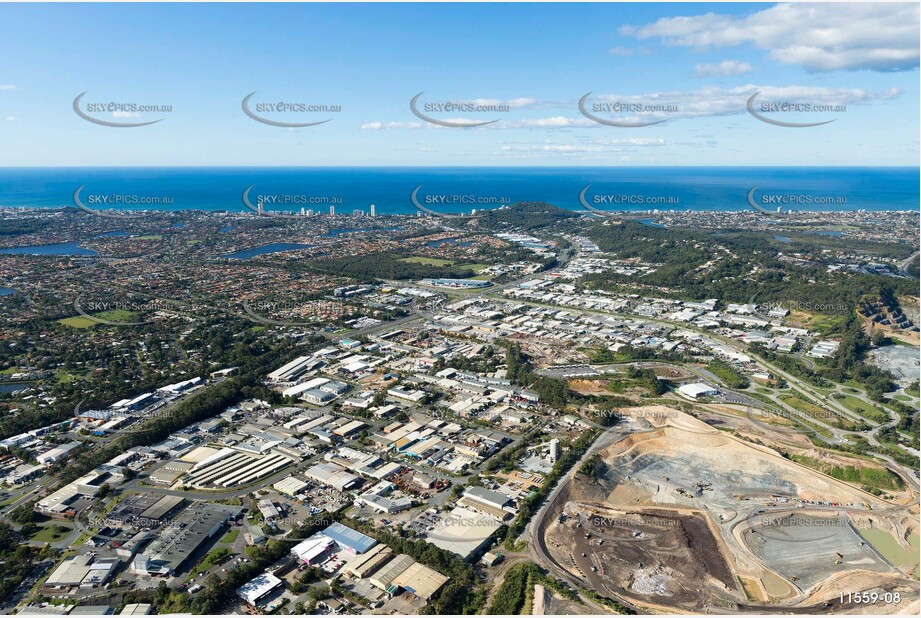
(697, 390)
(255, 591)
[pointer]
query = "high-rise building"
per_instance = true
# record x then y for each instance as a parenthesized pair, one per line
(373, 211)
(332, 211)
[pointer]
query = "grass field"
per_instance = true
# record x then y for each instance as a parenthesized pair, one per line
(65, 377)
(51, 533)
(117, 315)
(418, 259)
(878, 478)
(78, 321)
(825, 324)
(864, 409)
(474, 267)
(213, 557)
(820, 414)
(477, 268)
(729, 375)
(804, 424)
(230, 537)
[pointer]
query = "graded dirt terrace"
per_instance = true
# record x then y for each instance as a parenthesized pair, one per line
(684, 517)
(668, 556)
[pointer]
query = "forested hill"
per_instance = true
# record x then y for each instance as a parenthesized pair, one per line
(738, 266)
(526, 216)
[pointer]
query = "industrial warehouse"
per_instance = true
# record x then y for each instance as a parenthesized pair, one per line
(179, 540)
(367, 560)
(230, 467)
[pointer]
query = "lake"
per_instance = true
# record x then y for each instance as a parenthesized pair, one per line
(64, 248)
(14, 387)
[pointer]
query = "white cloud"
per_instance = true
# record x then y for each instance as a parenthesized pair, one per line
(377, 125)
(9, 87)
(625, 52)
(729, 101)
(630, 141)
(553, 122)
(700, 103)
(594, 147)
(819, 37)
(10, 118)
(724, 68)
(517, 103)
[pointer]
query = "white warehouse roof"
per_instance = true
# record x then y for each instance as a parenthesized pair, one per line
(698, 389)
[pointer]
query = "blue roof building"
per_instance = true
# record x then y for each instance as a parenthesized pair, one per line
(347, 538)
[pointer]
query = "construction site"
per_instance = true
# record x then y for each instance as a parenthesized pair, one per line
(683, 517)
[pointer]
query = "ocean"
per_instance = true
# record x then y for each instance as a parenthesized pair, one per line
(461, 189)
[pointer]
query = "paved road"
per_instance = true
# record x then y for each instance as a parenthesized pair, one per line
(904, 264)
(27, 494)
(537, 547)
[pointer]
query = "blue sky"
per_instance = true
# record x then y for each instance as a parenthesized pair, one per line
(539, 59)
